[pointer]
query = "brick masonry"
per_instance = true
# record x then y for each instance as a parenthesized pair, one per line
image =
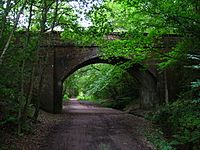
(62, 59)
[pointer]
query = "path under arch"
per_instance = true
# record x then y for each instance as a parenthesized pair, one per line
(97, 128)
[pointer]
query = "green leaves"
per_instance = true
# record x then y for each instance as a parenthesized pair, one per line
(182, 121)
(30, 110)
(103, 82)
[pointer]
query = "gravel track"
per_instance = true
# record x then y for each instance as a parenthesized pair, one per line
(88, 127)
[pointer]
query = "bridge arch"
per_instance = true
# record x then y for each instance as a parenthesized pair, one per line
(60, 58)
(64, 60)
(147, 81)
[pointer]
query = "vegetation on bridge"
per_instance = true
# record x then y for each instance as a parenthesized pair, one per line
(140, 24)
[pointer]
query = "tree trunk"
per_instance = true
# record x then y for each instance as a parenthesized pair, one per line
(26, 46)
(7, 10)
(37, 104)
(166, 88)
(21, 99)
(55, 15)
(12, 32)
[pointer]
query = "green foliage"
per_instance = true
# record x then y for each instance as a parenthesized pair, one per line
(106, 84)
(20, 71)
(140, 24)
(156, 137)
(65, 97)
(88, 98)
(11, 99)
(195, 85)
(181, 121)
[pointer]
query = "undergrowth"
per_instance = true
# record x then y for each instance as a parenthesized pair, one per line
(180, 124)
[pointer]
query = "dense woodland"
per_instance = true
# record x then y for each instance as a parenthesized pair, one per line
(86, 22)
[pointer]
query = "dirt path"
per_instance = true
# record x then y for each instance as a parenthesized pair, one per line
(96, 128)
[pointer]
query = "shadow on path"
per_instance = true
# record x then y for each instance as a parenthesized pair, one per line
(96, 128)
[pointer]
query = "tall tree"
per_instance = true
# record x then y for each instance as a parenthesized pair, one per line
(16, 20)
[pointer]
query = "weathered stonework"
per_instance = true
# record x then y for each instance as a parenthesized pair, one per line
(62, 59)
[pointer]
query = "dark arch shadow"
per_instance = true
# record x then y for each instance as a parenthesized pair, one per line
(147, 82)
(95, 60)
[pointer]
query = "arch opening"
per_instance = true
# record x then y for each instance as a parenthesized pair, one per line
(105, 84)
(147, 83)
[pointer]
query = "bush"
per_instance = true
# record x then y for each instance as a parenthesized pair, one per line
(65, 97)
(118, 103)
(181, 121)
(157, 139)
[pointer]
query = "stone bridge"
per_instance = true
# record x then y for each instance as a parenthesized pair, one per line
(59, 59)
